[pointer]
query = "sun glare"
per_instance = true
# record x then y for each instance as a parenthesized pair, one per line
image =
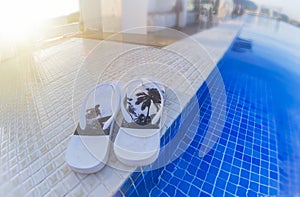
(17, 19)
(20, 20)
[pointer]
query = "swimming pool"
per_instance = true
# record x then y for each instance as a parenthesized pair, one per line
(257, 153)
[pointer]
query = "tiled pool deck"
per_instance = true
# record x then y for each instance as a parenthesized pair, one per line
(41, 94)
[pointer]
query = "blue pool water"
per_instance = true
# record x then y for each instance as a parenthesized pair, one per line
(258, 151)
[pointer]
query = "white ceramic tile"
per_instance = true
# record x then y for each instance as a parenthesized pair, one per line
(100, 191)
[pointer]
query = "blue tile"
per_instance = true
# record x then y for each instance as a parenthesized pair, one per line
(240, 142)
(231, 144)
(179, 193)
(135, 175)
(187, 157)
(231, 139)
(218, 192)
(240, 148)
(213, 170)
(183, 164)
(218, 155)
(195, 161)
(249, 139)
(207, 187)
(231, 188)
(254, 177)
(169, 189)
(251, 193)
(174, 181)
(166, 176)
(220, 148)
(142, 188)
(264, 164)
(237, 162)
(245, 174)
(248, 151)
(273, 192)
(229, 194)
(193, 191)
(184, 186)
(211, 152)
(133, 192)
(191, 150)
(235, 170)
(263, 180)
(265, 157)
(210, 178)
(273, 167)
(197, 182)
(238, 155)
(255, 169)
(188, 177)
(247, 158)
(201, 174)
(223, 141)
(216, 162)
(264, 172)
(264, 150)
(220, 183)
(179, 172)
(164, 195)
(229, 152)
(235, 128)
(255, 161)
(241, 191)
(224, 175)
(204, 166)
(228, 158)
(234, 133)
(207, 158)
(257, 148)
(273, 175)
(170, 167)
(226, 166)
(233, 179)
(202, 194)
(263, 189)
(244, 182)
(246, 165)
(192, 169)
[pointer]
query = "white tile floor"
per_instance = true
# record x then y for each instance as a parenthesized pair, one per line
(41, 92)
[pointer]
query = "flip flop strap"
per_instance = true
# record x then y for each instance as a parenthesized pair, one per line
(124, 111)
(82, 121)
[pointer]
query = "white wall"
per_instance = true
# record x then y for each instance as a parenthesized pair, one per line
(90, 11)
(111, 13)
(134, 14)
(114, 15)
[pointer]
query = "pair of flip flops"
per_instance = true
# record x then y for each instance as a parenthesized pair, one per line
(138, 140)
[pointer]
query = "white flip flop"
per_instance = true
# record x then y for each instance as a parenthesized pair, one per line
(88, 149)
(138, 140)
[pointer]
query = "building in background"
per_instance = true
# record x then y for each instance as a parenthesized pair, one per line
(119, 15)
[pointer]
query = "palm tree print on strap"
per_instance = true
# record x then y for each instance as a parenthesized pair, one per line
(151, 96)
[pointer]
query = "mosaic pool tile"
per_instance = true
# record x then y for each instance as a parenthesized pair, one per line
(245, 161)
